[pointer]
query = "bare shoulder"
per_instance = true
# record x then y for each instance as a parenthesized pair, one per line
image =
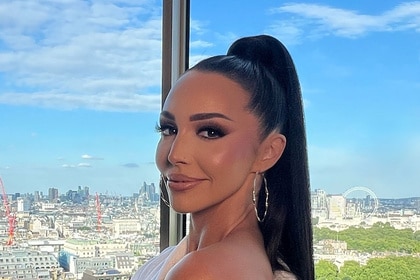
(236, 258)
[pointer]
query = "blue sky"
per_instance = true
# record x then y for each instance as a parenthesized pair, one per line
(80, 88)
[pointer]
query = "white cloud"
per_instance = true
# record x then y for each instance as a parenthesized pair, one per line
(86, 157)
(200, 44)
(198, 27)
(72, 54)
(68, 166)
(290, 32)
(105, 102)
(91, 157)
(322, 20)
(82, 165)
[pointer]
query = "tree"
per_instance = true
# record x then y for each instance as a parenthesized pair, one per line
(325, 270)
(349, 270)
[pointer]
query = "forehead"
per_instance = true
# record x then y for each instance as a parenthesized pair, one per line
(207, 91)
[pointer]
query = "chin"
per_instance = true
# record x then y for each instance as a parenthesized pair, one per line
(181, 209)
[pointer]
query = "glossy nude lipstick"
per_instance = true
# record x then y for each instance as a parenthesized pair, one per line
(179, 182)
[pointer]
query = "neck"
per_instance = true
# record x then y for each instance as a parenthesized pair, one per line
(211, 226)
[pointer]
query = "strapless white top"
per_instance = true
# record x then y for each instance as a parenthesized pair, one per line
(159, 266)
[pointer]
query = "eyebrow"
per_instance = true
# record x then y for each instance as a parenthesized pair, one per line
(206, 116)
(167, 115)
(196, 117)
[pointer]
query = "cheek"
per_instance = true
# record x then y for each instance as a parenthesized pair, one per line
(161, 155)
(236, 157)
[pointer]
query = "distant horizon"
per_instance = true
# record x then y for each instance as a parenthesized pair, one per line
(45, 192)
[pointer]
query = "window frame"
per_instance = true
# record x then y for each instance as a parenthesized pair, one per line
(175, 60)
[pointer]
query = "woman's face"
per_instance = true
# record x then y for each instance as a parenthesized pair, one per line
(209, 141)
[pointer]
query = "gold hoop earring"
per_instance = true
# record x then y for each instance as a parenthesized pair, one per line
(163, 183)
(254, 199)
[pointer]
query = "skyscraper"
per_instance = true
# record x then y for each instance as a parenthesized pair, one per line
(53, 195)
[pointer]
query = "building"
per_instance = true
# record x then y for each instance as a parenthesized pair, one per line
(53, 195)
(46, 245)
(23, 205)
(81, 248)
(147, 193)
(111, 274)
(80, 265)
(126, 226)
(336, 206)
(48, 207)
(124, 261)
(81, 254)
(319, 204)
(27, 264)
(37, 196)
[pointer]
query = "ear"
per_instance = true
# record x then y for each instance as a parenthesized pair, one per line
(270, 151)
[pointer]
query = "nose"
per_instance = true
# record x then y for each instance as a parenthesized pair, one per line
(178, 152)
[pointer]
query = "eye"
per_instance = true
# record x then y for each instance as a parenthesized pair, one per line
(211, 132)
(166, 129)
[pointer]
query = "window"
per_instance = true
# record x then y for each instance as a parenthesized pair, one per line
(69, 72)
(362, 114)
(88, 83)
(327, 61)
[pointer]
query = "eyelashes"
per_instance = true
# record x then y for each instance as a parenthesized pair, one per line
(206, 131)
(211, 132)
(166, 129)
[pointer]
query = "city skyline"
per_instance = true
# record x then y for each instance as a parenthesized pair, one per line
(350, 193)
(82, 235)
(80, 89)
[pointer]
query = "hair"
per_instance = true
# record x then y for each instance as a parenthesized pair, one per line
(264, 68)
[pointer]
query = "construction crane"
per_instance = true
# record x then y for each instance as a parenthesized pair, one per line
(10, 218)
(98, 211)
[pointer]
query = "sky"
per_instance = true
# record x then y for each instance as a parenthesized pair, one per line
(80, 86)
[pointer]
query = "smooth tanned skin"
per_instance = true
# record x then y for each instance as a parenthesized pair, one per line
(209, 152)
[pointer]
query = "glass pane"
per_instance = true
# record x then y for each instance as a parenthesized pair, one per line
(80, 87)
(358, 66)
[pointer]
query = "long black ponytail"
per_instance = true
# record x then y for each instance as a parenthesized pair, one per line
(263, 66)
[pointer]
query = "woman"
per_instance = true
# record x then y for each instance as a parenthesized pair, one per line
(233, 154)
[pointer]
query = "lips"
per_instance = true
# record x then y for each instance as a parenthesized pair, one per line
(180, 182)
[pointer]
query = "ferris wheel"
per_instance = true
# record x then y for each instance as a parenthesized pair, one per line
(370, 192)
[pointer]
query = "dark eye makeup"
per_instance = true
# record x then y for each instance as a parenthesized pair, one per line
(166, 129)
(206, 130)
(211, 131)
